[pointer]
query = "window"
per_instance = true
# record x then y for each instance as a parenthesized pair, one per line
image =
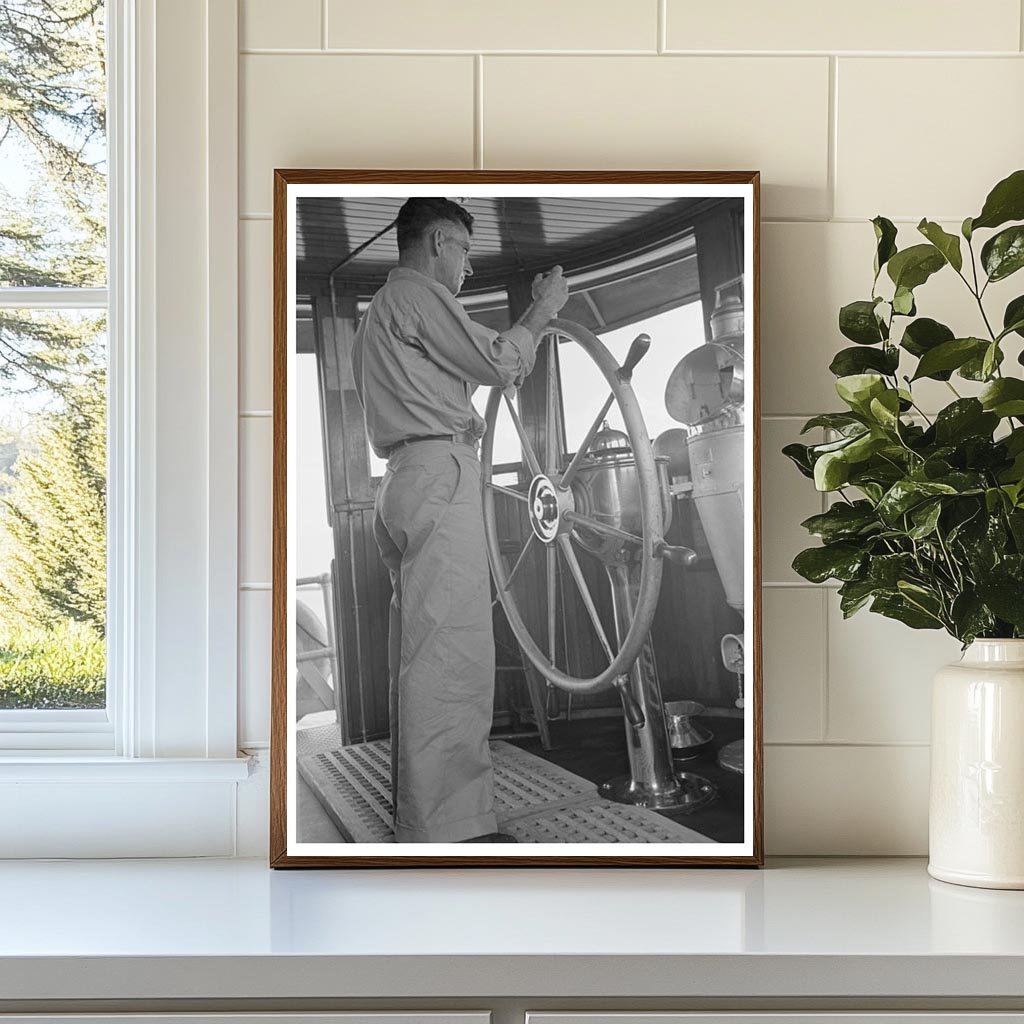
(53, 369)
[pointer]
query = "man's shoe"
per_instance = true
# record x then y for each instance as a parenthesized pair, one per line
(492, 837)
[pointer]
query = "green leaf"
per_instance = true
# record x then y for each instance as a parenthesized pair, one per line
(1005, 202)
(887, 570)
(990, 360)
(912, 267)
(840, 561)
(1005, 596)
(857, 321)
(906, 494)
(974, 368)
(854, 594)
(858, 389)
(971, 617)
(1013, 318)
(831, 471)
(1003, 254)
(850, 361)
(885, 409)
(923, 335)
(950, 355)
(965, 229)
(903, 302)
(925, 518)
(1004, 397)
(947, 244)
(966, 417)
(833, 420)
(799, 455)
(885, 236)
(900, 609)
(843, 521)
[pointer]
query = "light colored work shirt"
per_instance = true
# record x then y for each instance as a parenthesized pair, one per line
(418, 358)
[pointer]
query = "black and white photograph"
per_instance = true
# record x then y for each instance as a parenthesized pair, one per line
(516, 561)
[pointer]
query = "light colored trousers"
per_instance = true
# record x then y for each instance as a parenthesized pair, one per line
(429, 528)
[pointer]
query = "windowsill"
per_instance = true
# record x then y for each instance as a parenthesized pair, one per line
(822, 928)
(81, 766)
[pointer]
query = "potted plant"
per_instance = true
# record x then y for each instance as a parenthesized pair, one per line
(926, 521)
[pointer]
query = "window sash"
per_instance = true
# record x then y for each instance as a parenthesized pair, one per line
(92, 730)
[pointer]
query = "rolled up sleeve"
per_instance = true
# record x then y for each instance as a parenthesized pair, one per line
(437, 324)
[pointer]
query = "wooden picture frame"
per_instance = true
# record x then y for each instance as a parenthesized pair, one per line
(676, 250)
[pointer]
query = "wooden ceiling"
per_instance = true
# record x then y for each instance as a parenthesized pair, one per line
(511, 236)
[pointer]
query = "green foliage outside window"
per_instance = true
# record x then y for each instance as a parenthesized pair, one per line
(52, 365)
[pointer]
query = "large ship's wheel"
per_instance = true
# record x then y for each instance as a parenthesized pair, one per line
(563, 521)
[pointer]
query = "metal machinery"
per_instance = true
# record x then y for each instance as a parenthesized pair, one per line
(611, 499)
(705, 392)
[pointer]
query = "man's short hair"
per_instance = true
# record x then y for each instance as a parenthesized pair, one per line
(417, 216)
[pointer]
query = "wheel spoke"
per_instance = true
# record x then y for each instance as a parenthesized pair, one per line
(551, 570)
(528, 456)
(519, 561)
(551, 445)
(509, 492)
(581, 585)
(598, 527)
(581, 454)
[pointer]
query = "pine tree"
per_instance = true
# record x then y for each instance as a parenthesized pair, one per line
(53, 521)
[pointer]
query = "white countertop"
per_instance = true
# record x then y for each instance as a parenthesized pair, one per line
(234, 928)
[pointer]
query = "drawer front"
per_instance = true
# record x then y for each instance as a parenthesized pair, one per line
(360, 1017)
(934, 1017)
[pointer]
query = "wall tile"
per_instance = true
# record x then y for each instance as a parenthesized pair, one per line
(880, 676)
(681, 113)
(809, 271)
(273, 25)
(465, 25)
(254, 625)
(846, 801)
(355, 111)
(255, 511)
(794, 663)
(255, 315)
(927, 167)
(787, 499)
(870, 25)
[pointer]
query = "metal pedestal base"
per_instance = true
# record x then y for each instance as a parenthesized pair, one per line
(689, 793)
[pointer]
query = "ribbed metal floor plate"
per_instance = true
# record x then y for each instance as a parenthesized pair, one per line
(535, 801)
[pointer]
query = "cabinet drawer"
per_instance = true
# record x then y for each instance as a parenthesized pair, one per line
(790, 1017)
(360, 1017)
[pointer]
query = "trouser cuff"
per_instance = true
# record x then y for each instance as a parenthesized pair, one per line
(452, 832)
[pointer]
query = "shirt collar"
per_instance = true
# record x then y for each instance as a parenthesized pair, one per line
(408, 274)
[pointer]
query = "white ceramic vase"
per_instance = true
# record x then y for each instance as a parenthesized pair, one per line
(976, 815)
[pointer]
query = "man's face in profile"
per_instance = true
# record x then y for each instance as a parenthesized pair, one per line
(454, 266)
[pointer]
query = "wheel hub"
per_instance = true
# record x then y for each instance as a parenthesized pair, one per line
(546, 504)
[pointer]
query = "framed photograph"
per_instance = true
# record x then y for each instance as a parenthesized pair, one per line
(516, 565)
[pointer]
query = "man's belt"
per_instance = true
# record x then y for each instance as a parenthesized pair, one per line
(464, 438)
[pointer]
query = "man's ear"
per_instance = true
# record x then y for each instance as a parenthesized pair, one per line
(436, 241)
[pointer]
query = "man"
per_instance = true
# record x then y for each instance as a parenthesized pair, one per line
(417, 359)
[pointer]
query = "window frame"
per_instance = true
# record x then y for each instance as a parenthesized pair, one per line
(170, 149)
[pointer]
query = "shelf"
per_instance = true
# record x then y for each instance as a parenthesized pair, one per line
(233, 929)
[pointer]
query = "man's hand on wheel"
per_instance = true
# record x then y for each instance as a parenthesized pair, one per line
(550, 291)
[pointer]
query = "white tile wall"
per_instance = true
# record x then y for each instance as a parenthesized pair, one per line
(256, 300)
(874, 25)
(350, 111)
(794, 638)
(256, 445)
(261, 25)
(695, 113)
(920, 122)
(471, 25)
(942, 105)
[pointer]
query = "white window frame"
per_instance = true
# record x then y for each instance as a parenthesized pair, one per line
(168, 739)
